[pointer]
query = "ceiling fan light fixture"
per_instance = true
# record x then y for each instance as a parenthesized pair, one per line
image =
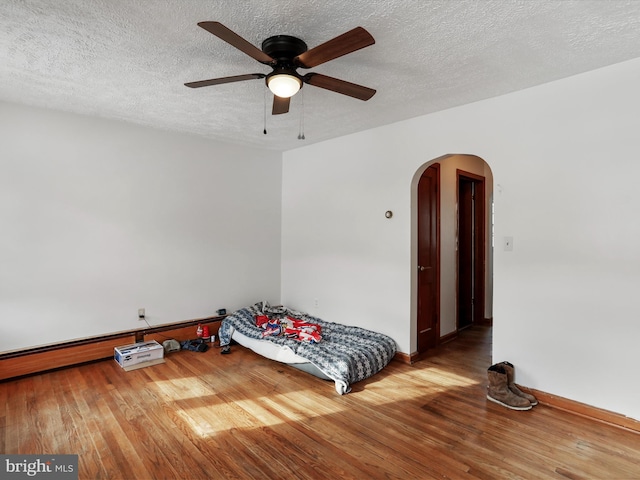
(284, 85)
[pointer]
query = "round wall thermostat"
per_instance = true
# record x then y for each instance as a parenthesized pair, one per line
(388, 214)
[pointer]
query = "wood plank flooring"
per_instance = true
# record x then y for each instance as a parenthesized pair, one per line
(206, 415)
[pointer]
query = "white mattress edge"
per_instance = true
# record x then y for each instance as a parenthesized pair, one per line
(282, 354)
(273, 351)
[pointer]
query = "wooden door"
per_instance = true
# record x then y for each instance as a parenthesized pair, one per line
(471, 247)
(428, 280)
(466, 241)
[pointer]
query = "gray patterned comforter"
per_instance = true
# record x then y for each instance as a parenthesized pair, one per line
(346, 354)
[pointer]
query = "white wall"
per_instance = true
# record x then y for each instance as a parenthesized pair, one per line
(563, 157)
(337, 245)
(99, 218)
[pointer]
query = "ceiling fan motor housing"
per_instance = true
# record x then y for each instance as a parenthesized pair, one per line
(283, 49)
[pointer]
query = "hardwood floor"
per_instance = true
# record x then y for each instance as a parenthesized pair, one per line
(206, 415)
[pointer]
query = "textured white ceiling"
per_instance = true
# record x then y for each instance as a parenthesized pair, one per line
(128, 59)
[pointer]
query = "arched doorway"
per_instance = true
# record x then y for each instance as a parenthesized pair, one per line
(454, 169)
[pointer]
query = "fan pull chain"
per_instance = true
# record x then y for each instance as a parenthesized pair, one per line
(265, 111)
(301, 132)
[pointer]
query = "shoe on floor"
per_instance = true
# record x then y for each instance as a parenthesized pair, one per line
(498, 390)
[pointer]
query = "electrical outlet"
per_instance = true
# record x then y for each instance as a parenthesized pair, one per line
(141, 314)
(316, 303)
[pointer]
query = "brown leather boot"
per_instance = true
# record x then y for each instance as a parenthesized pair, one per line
(498, 390)
(511, 375)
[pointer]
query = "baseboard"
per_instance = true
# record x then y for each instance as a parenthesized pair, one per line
(584, 410)
(448, 337)
(403, 357)
(29, 361)
(416, 356)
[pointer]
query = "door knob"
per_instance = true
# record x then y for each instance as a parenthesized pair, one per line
(420, 268)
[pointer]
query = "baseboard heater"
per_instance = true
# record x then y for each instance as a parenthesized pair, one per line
(28, 361)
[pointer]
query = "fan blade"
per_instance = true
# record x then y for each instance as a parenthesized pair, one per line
(280, 105)
(346, 43)
(218, 81)
(339, 86)
(235, 40)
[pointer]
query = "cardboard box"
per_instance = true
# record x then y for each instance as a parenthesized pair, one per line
(129, 355)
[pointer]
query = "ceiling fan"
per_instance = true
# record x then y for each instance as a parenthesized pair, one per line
(285, 54)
